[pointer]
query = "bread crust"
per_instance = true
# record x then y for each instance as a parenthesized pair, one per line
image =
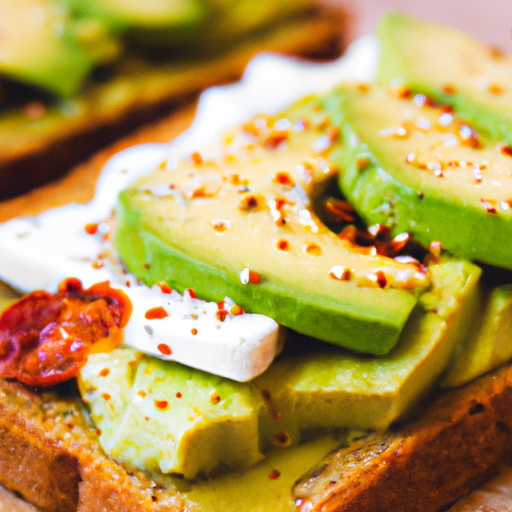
(456, 443)
(50, 455)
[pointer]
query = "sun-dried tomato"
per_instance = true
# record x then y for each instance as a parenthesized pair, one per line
(46, 338)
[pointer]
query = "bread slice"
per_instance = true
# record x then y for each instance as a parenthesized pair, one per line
(49, 454)
(34, 151)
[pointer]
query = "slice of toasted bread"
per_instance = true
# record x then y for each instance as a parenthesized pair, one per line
(34, 151)
(50, 455)
(49, 452)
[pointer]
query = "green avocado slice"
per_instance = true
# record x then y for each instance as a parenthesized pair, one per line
(418, 168)
(163, 21)
(165, 417)
(489, 346)
(450, 67)
(220, 224)
(325, 388)
(44, 45)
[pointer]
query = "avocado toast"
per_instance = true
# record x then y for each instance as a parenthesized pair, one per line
(404, 458)
(66, 94)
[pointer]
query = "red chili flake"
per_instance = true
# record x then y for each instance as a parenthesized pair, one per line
(193, 331)
(449, 89)
(281, 439)
(362, 164)
(399, 242)
(250, 128)
(280, 219)
(196, 158)
(162, 404)
(147, 266)
(91, 228)
(34, 110)
(45, 339)
(221, 304)
(104, 373)
(275, 139)
(274, 474)
(324, 123)
(221, 314)
(495, 89)
(220, 225)
(283, 245)
(468, 136)
(280, 202)
(489, 204)
(438, 172)
(283, 178)
(382, 280)
(191, 293)
(313, 249)
(301, 125)
(164, 349)
(249, 202)
(254, 277)
(198, 192)
(401, 92)
(477, 173)
(156, 313)
(97, 264)
(333, 134)
(339, 210)
(421, 100)
(506, 150)
(215, 398)
(179, 395)
(235, 179)
(236, 310)
(106, 397)
(98, 431)
(164, 287)
(341, 273)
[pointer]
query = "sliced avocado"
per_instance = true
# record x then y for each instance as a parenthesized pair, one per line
(165, 21)
(264, 487)
(489, 346)
(234, 18)
(326, 388)
(450, 67)
(44, 46)
(420, 169)
(163, 416)
(242, 225)
(168, 418)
